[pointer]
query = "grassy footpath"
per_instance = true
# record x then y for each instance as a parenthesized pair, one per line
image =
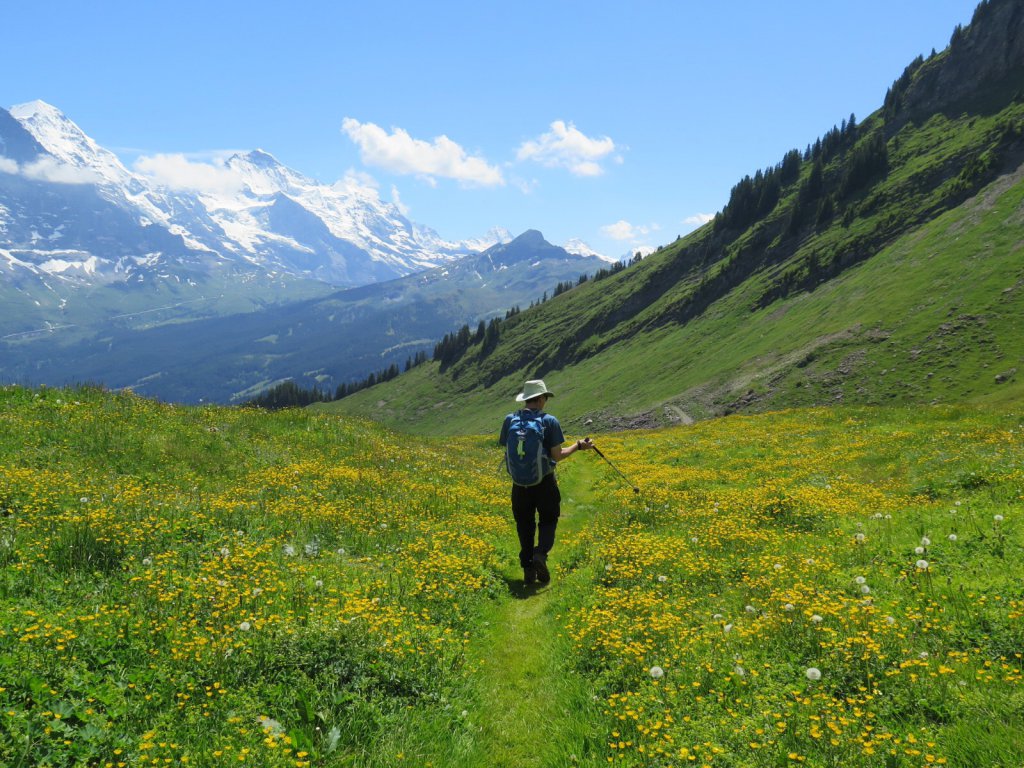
(534, 712)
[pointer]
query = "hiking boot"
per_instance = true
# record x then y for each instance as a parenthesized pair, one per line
(541, 566)
(529, 575)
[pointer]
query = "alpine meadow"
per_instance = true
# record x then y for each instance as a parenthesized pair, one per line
(801, 543)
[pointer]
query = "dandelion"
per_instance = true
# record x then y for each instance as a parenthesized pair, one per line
(750, 609)
(998, 518)
(718, 617)
(923, 655)
(146, 561)
(813, 674)
(777, 566)
(694, 539)
(740, 671)
(225, 552)
(918, 550)
(890, 620)
(245, 626)
(922, 565)
(809, 561)
(271, 726)
(657, 673)
(257, 591)
(865, 589)
(289, 550)
(860, 537)
(952, 537)
(608, 567)
(319, 584)
(860, 580)
(341, 550)
(312, 549)
(925, 541)
(789, 607)
(84, 500)
(727, 628)
(817, 619)
(662, 578)
(383, 526)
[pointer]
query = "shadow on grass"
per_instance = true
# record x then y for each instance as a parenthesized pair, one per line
(521, 591)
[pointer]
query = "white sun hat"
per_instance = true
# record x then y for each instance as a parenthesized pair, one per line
(533, 388)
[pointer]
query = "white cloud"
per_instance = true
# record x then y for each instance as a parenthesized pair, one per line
(178, 172)
(623, 230)
(698, 219)
(396, 200)
(53, 170)
(7, 165)
(565, 146)
(398, 152)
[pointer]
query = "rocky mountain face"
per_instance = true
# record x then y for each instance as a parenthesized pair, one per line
(982, 59)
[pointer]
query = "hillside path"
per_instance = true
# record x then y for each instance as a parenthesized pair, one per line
(532, 708)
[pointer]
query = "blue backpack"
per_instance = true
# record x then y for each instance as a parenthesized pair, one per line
(526, 458)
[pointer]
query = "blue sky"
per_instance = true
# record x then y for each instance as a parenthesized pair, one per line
(622, 124)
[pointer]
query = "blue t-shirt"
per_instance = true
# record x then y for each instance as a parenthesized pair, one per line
(552, 433)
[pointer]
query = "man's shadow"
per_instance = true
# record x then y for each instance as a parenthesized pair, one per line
(522, 591)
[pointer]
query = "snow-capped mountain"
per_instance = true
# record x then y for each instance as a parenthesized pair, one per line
(262, 217)
(580, 248)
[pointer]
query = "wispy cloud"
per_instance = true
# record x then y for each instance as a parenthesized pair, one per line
(8, 166)
(53, 170)
(698, 219)
(179, 172)
(623, 230)
(565, 146)
(398, 152)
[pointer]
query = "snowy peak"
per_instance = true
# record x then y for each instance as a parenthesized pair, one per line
(63, 139)
(580, 248)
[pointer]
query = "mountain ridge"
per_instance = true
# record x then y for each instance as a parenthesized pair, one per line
(790, 234)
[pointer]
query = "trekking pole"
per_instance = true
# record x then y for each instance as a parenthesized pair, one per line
(598, 450)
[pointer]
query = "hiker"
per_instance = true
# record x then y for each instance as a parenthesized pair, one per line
(533, 445)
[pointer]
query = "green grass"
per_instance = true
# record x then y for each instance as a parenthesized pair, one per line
(217, 586)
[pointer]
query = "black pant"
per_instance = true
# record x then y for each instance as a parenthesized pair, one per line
(533, 504)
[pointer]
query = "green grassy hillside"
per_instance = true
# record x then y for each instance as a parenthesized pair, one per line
(214, 586)
(935, 316)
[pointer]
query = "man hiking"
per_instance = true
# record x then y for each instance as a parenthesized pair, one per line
(533, 445)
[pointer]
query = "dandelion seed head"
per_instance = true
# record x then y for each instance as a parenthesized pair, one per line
(860, 580)
(777, 566)
(952, 537)
(860, 537)
(245, 626)
(813, 674)
(717, 617)
(865, 589)
(727, 628)
(225, 552)
(146, 561)
(998, 518)
(662, 578)
(289, 550)
(925, 541)
(657, 673)
(922, 565)
(918, 550)
(890, 620)
(789, 607)
(740, 671)
(817, 619)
